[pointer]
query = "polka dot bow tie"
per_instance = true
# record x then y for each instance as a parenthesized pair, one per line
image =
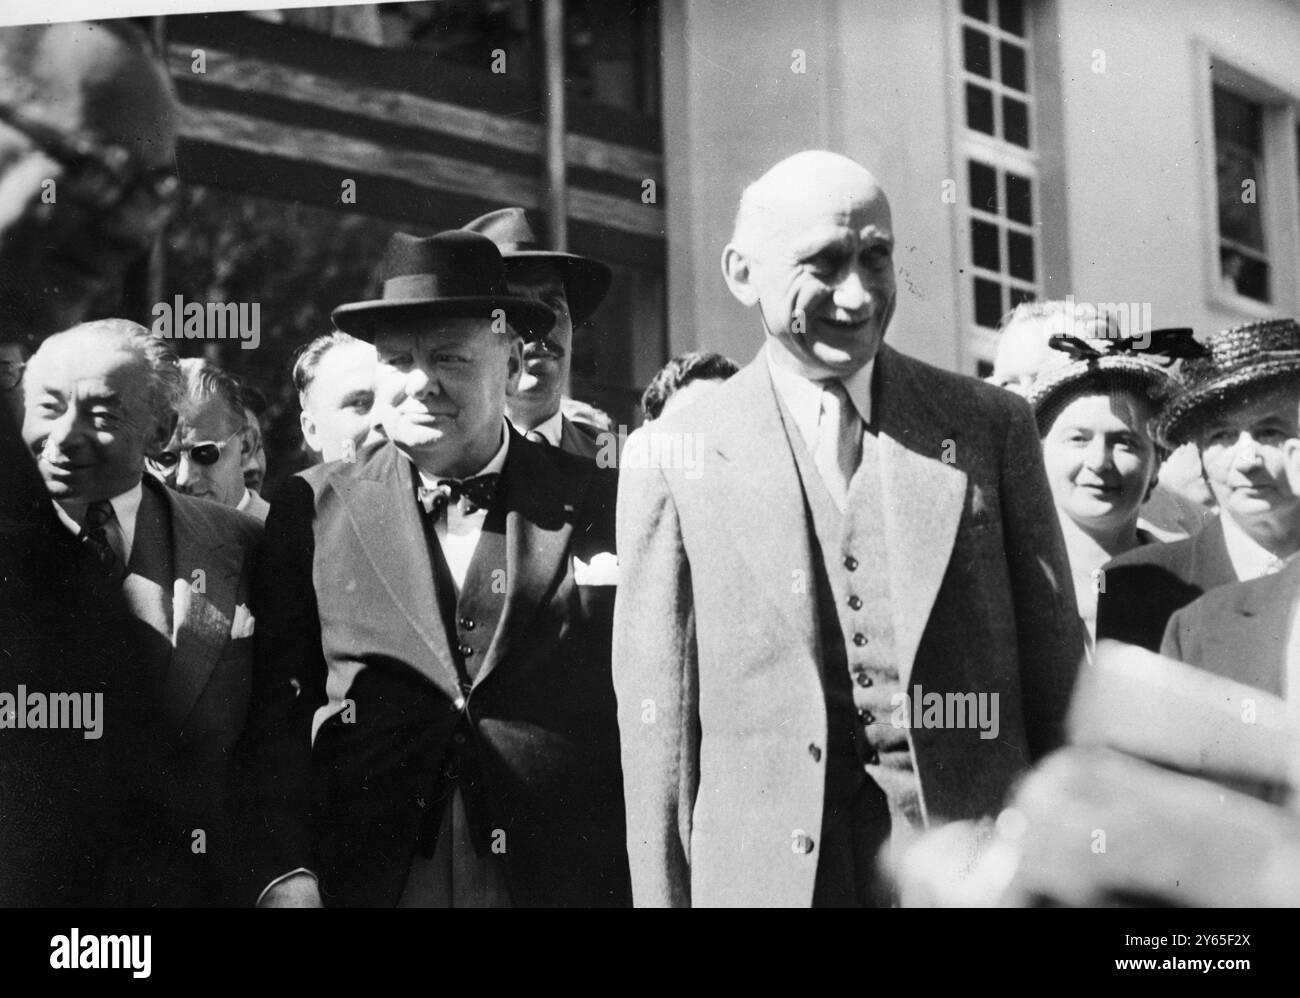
(472, 494)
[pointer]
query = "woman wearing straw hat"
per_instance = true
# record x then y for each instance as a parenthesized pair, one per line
(1093, 402)
(1240, 407)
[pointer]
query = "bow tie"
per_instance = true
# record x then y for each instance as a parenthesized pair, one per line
(472, 494)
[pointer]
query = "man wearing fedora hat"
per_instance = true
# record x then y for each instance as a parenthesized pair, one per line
(572, 287)
(434, 718)
(1239, 406)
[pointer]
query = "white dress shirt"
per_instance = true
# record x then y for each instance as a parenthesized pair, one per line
(121, 531)
(1249, 559)
(458, 532)
(549, 429)
(803, 396)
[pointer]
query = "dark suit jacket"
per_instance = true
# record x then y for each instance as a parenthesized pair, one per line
(714, 634)
(1239, 630)
(188, 585)
(348, 610)
(578, 439)
(1144, 587)
(76, 814)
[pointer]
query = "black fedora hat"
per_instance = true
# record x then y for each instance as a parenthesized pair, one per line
(452, 274)
(515, 232)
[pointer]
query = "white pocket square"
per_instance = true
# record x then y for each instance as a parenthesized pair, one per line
(243, 624)
(602, 570)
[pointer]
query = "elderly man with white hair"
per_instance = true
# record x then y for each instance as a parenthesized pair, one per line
(854, 618)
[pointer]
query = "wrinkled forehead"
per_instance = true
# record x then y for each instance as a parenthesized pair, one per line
(809, 214)
(208, 421)
(85, 363)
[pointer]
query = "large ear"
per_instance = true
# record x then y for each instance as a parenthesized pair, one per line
(514, 364)
(309, 433)
(737, 271)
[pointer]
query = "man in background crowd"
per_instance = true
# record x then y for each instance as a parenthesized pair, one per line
(572, 287)
(335, 377)
(685, 379)
(213, 440)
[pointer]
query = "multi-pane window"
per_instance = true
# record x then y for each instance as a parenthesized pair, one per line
(1239, 168)
(1000, 165)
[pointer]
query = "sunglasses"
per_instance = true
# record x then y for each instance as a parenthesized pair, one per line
(205, 453)
(102, 176)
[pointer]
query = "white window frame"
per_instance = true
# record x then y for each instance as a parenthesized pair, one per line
(977, 343)
(1278, 191)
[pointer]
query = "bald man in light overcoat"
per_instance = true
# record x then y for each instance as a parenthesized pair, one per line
(850, 615)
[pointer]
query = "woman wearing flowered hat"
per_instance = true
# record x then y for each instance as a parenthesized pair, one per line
(1093, 404)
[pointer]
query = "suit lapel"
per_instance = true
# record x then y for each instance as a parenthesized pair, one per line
(385, 519)
(540, 508)
(760, 492)
(205, 578)
(575, 441)
(148, 582)
(922, 500)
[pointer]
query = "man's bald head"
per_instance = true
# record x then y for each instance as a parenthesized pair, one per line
(808, 179)
(813, 248)
(60, 247)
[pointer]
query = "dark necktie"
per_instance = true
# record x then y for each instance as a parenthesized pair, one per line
(94, 534)
(472, 494)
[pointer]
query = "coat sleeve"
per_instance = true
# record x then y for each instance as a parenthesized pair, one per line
(288, 687)
(1049, 631)
(655, 679)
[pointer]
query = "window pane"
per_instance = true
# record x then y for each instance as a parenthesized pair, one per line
(983, 187)
(1015, 122)
(984, 245)
(1013, 66)
(978, 9)
(978, 52)
(1021, 295)
(1247, 275)
(979, 109)
(1020, 207)
(988, 303)
(1237, 120)
(1020, 256)
(1011, 16)
(1240, 218)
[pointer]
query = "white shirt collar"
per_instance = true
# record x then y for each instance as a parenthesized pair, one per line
(126, 508)
(1250, 560)
(493, 467)
(803, 397)
(244, 500)
(551, 428)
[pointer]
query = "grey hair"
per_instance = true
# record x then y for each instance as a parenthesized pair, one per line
(205, 382)
(163, 384)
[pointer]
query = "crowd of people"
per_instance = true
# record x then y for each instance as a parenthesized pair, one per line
(467, 660)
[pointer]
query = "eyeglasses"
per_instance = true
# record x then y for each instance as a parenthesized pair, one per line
(205, 453)
(11, 375)
(101, 176)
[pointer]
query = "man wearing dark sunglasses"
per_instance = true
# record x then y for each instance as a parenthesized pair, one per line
(205, 456)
